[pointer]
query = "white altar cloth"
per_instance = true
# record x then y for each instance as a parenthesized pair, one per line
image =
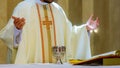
(47, 65)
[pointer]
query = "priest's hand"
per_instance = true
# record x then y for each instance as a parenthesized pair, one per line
(18, 22)
(92, 24)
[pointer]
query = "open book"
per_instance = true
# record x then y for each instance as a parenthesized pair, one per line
(109, 58)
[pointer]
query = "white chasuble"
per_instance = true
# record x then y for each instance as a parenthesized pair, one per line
(46, 27)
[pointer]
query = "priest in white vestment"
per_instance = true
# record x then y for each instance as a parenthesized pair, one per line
(36, 26)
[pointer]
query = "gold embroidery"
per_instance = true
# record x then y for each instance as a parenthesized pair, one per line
(53, 25)
(48, 23)
(42, 39)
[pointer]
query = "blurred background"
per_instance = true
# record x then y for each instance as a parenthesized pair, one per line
(106, 38)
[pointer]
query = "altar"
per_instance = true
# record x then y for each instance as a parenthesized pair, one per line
(47, 65)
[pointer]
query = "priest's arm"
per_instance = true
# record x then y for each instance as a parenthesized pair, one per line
(10, 34)
(77, 38)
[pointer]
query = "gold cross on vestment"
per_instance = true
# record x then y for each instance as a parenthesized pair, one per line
(47, 23)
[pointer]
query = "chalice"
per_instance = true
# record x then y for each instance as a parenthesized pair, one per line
(58, 53)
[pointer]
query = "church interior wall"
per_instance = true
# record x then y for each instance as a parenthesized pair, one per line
(3, 22)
